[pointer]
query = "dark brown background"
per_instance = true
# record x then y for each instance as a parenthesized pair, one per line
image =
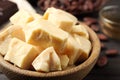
(112, 70)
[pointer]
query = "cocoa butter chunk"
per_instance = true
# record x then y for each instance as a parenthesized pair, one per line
(72, 49)
(20, 53)
(80, 30)
(43, 33)
(46, 61)
(85, 47)
(22, 17)
(60, 18)
(7, 9)
(7, 35)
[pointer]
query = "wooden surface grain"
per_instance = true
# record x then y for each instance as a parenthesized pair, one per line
(111, 71)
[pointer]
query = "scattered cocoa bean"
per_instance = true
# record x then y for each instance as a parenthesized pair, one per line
(74, 5)
(89, 4)
(54, 3)
(46, 5)
(88, 23)
(81, 2)
(103, 46)
(102, 37)
(66, 2)
(90, 20)
(112, 52)
(97, 4)
(95, 28)
(102, 61)
(85, 7)
(80, 6)
(93, 20)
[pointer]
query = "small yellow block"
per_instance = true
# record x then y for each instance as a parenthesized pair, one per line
(6, 36)
(85, 47)
(43, 33)
(60, 18)
(20, 53)
(80, 30)
(47, 61)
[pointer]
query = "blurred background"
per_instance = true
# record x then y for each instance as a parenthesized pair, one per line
(108, 65)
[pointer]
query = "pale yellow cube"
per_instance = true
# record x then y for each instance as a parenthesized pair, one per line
(85, 47)
(43, 33)
(21, 18)
(4, 45)
(47, 61)
(80, 30)
(6, 36)
(36, 16)
(60, 18)
(64, 61)
(20, 53)
(72, 49)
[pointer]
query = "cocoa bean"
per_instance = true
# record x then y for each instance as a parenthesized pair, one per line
(102, 37)
(46, 4)
(103, 46)
(102, 61)
(85, 7)
(89, 4)
(95, 28)
(74, 5)
(97, 4)
(81, 2)
(112, 52)
(89, 20)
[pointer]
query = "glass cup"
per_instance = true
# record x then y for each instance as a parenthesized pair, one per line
(109, 17)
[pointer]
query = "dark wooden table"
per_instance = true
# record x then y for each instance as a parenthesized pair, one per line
(111, 71)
